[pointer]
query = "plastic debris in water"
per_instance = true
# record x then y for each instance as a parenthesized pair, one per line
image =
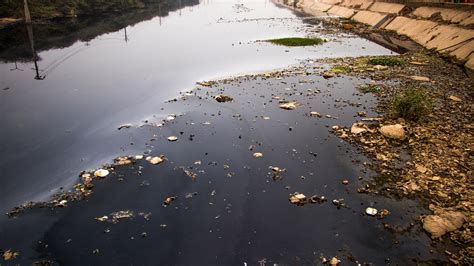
(371, 211)
(101, 173)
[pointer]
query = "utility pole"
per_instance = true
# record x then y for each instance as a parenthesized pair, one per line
(27, 12)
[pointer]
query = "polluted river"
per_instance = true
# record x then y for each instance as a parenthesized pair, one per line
(216, 147)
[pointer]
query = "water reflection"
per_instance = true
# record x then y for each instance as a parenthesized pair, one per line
(18, 42)
(35, 57)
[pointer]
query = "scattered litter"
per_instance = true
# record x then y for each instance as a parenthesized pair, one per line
(223, 98)
(101, 173)
(62, 203)
(190, 195)
(371, 211)
(124, 126)
(297, 198)
(156, 159)
(122, 160)
(339, 203)
(315, 114)
(116, 216)
(289, 105)
(258, 155)
(168, 201)
(206, 83)
(190, 174)
(145, 215)
(334, 261)
(172, 138)
(9, 255)
(300, 199)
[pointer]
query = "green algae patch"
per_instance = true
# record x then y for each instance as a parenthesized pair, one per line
(386, 61)
(297, 41)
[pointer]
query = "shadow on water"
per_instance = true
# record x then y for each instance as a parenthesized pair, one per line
(17, 42)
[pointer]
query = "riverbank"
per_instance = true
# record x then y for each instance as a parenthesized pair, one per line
(446, 30)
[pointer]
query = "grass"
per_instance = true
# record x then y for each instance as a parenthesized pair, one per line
(386, 61)
(369, 88)
(297, 41)
(413, 104)
(340, 69)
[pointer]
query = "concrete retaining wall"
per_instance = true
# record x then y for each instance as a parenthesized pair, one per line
(342, 11)
(368, 17)
(451, 39)
(417, 30)
(386, 7)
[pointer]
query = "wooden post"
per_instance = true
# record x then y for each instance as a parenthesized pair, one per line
(27, 12)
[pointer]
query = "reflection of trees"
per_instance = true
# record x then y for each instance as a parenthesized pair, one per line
(15, 44)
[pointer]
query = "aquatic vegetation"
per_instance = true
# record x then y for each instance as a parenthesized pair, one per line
(368, 88)
(386, 61)
(297, 41)
(413, 104)
(340, 69)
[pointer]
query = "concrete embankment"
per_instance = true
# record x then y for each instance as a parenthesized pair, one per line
(447, 30)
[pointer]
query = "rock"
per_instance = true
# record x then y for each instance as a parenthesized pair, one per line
(420, 78)
(383, 213)
(328, 75)
(223, 98)
(443, 222)
(454, 98)
(421, 168)
(101, 173)
(380, 67)
(393, 131)
(172, 138)
(347, 26)
(358, 128)
(206, 83)
(258, 155)
(371, 211)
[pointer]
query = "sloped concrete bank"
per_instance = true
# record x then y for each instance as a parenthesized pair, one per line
(448, 31)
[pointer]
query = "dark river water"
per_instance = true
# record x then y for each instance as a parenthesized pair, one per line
(95, 74)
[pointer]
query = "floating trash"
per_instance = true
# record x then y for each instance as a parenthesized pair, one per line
(101, 173)
(172, 138)
(371, 211)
